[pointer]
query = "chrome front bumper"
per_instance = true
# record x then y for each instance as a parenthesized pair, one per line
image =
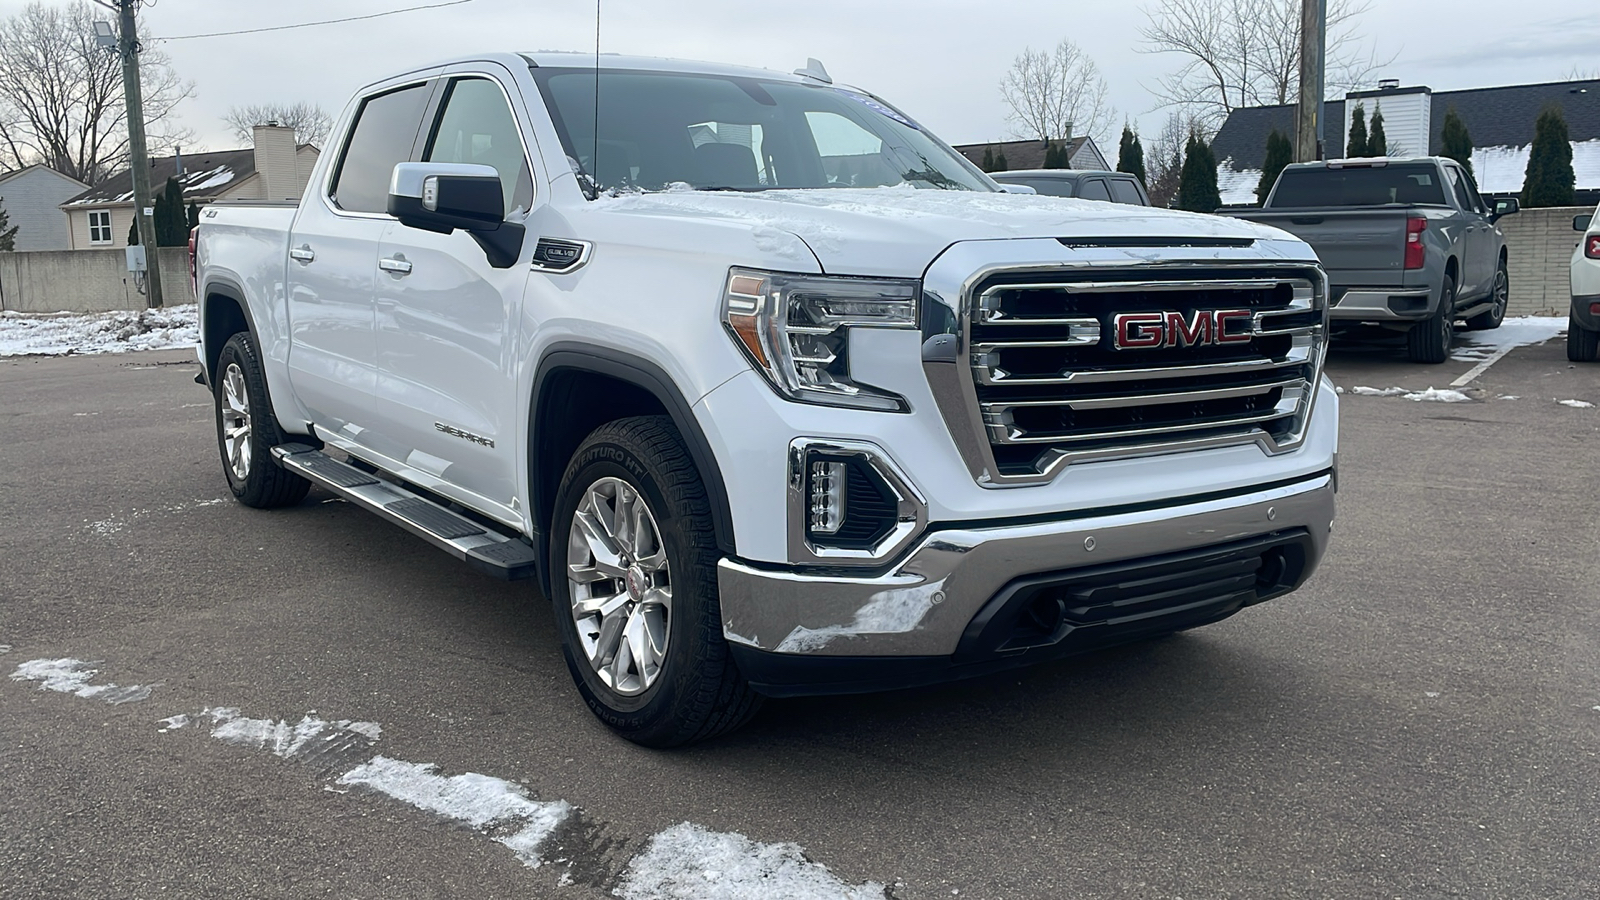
(923, 605)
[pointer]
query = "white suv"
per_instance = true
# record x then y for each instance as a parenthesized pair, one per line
(1583, 320)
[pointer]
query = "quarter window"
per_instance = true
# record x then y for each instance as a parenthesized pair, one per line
(386, 127)
(1125, 192)
(477, 127)
(100, 226)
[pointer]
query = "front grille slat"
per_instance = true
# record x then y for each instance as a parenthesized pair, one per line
(1050, 380)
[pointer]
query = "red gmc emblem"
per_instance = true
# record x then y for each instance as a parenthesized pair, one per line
(1152, 330)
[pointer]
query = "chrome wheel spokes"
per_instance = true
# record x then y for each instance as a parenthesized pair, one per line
(620, 584)
(235, 413)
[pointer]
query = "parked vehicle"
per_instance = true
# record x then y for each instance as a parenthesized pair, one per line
(1583, 320)
(754, 431)
(1408, 244)
(1085, 184)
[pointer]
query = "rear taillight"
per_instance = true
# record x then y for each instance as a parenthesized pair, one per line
(194, 273)
(1591, 246)
(1416, 251)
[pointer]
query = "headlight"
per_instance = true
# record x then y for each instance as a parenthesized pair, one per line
(796, 330)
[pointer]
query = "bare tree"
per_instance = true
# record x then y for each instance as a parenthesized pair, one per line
(1165, 160)
(1247, 53)
(311, 123)
(1054, 94)
(61, 95)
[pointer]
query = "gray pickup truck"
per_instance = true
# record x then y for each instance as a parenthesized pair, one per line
(1408, 244)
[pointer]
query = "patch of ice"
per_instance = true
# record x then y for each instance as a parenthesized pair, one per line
(1438, 396)
(307, 738)
(72, 676)
(173, 723)
(1430, 694)
(1365, 391)
(490, 805)
(688, 862)
(1576, 404)
(1508, 397)
(56, 334)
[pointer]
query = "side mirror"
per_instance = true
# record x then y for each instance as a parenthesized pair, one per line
(442, 197)
(1582, 223)
(1505, 206)
(1016, 188)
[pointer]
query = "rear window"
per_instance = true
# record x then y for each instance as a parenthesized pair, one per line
(1360, 186)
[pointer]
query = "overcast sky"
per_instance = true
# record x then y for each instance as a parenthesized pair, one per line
(937, 59)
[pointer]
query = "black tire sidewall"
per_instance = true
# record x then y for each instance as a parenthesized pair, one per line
(266, 485)
(651, 710)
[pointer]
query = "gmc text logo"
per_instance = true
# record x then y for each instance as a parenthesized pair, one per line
(1148, 331)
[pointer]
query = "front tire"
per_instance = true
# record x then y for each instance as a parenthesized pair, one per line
(1583, 345)
(1429, 341)
(1501, 297)
(634, 589)
(247, 430)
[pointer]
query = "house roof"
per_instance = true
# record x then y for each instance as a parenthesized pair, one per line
(1028, 154)
(1495, 117)
(7, 176)
(205, 175)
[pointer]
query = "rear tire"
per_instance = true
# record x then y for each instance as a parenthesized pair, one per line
(634, 589)
(1429, 341)
(1500, 297)
(1583, 345)
(247, 430)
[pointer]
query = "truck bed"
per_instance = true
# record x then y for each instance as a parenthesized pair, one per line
(1360, 247)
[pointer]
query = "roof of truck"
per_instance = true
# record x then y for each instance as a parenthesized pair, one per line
(557, 59)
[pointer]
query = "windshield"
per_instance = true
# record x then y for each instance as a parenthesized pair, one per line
(1415, 184)
(716, 132)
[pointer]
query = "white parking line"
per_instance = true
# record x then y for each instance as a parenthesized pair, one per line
(1483, 367)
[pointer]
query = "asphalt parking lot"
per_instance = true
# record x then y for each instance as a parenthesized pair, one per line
(1422, 720)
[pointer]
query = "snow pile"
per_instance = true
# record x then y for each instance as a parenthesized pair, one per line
(1501, 169)
(1576, 404)
(1237, 187)
(687, 862)
(1516, 331)
(72, 676)
(62, 334)
(488, 804)
(1365, 391)
(310, 738)
(1431, 394)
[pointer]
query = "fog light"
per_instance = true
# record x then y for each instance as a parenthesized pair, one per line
(829, 483)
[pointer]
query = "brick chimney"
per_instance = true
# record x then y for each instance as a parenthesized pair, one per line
(275, 162)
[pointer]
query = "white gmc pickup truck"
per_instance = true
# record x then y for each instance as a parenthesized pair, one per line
(771, 391)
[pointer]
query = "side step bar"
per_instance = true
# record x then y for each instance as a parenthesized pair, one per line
(488, 551)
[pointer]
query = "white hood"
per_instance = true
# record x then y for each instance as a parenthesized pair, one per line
(899, 231)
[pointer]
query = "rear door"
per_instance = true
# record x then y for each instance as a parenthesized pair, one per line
(1478, 239)
(1094, 189)
(1127, 190)
(447, 321)
(333, 257)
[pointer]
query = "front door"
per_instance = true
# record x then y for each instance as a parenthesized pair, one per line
(1477, 244)
(447, 321)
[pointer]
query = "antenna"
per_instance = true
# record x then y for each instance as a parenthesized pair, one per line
(594, 160)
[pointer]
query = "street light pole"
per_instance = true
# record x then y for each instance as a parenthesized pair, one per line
(139, 157)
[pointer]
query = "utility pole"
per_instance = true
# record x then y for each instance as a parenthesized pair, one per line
(1308, 114)
(139, 156)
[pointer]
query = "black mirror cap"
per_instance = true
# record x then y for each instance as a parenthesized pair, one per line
(1505, 206)
(1582, 223)
(442, 197)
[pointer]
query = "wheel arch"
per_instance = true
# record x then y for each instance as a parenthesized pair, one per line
(223, 313)
(569, 380)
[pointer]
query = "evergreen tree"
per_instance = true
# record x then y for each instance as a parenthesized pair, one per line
(1052, 156)
(169, 215)
(1549, 181)
(1197, 185)
(1130, 156)
(1357, 145)
(1279, 154)
(8, 236)
(1377, 141)
(1000, 164)
(988, 160)
(1455, 142)
(194, 217)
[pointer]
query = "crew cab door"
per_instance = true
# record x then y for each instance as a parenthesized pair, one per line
(1478, 256)
(447, 321)
(333, 258)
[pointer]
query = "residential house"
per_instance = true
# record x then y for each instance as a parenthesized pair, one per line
(1081, 153)
(32, 199)
(1499, 119)
(274, 169)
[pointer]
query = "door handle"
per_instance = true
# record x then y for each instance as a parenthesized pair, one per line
(302, 253)
(395, 265)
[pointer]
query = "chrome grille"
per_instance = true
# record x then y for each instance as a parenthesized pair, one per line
(1051, 385)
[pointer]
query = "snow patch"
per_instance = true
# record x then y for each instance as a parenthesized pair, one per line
(173, 723)
(65, 334)
(1516, 331)
(1576, 404)
(1439, 396)
(72, 676)
(1365, 391)
(688, 862)
(491, 805)
(310, 738)
(1502, 169)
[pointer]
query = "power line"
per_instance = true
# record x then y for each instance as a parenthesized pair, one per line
(392, 12)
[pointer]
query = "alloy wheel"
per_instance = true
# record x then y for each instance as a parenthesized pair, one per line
(620, 584)
(235, 410)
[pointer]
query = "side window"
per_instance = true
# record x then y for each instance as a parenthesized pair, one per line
(1472, 191)
(1459, 186)
(1094, 189)
(1123, 191)
(386, 126)
(477, 127)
